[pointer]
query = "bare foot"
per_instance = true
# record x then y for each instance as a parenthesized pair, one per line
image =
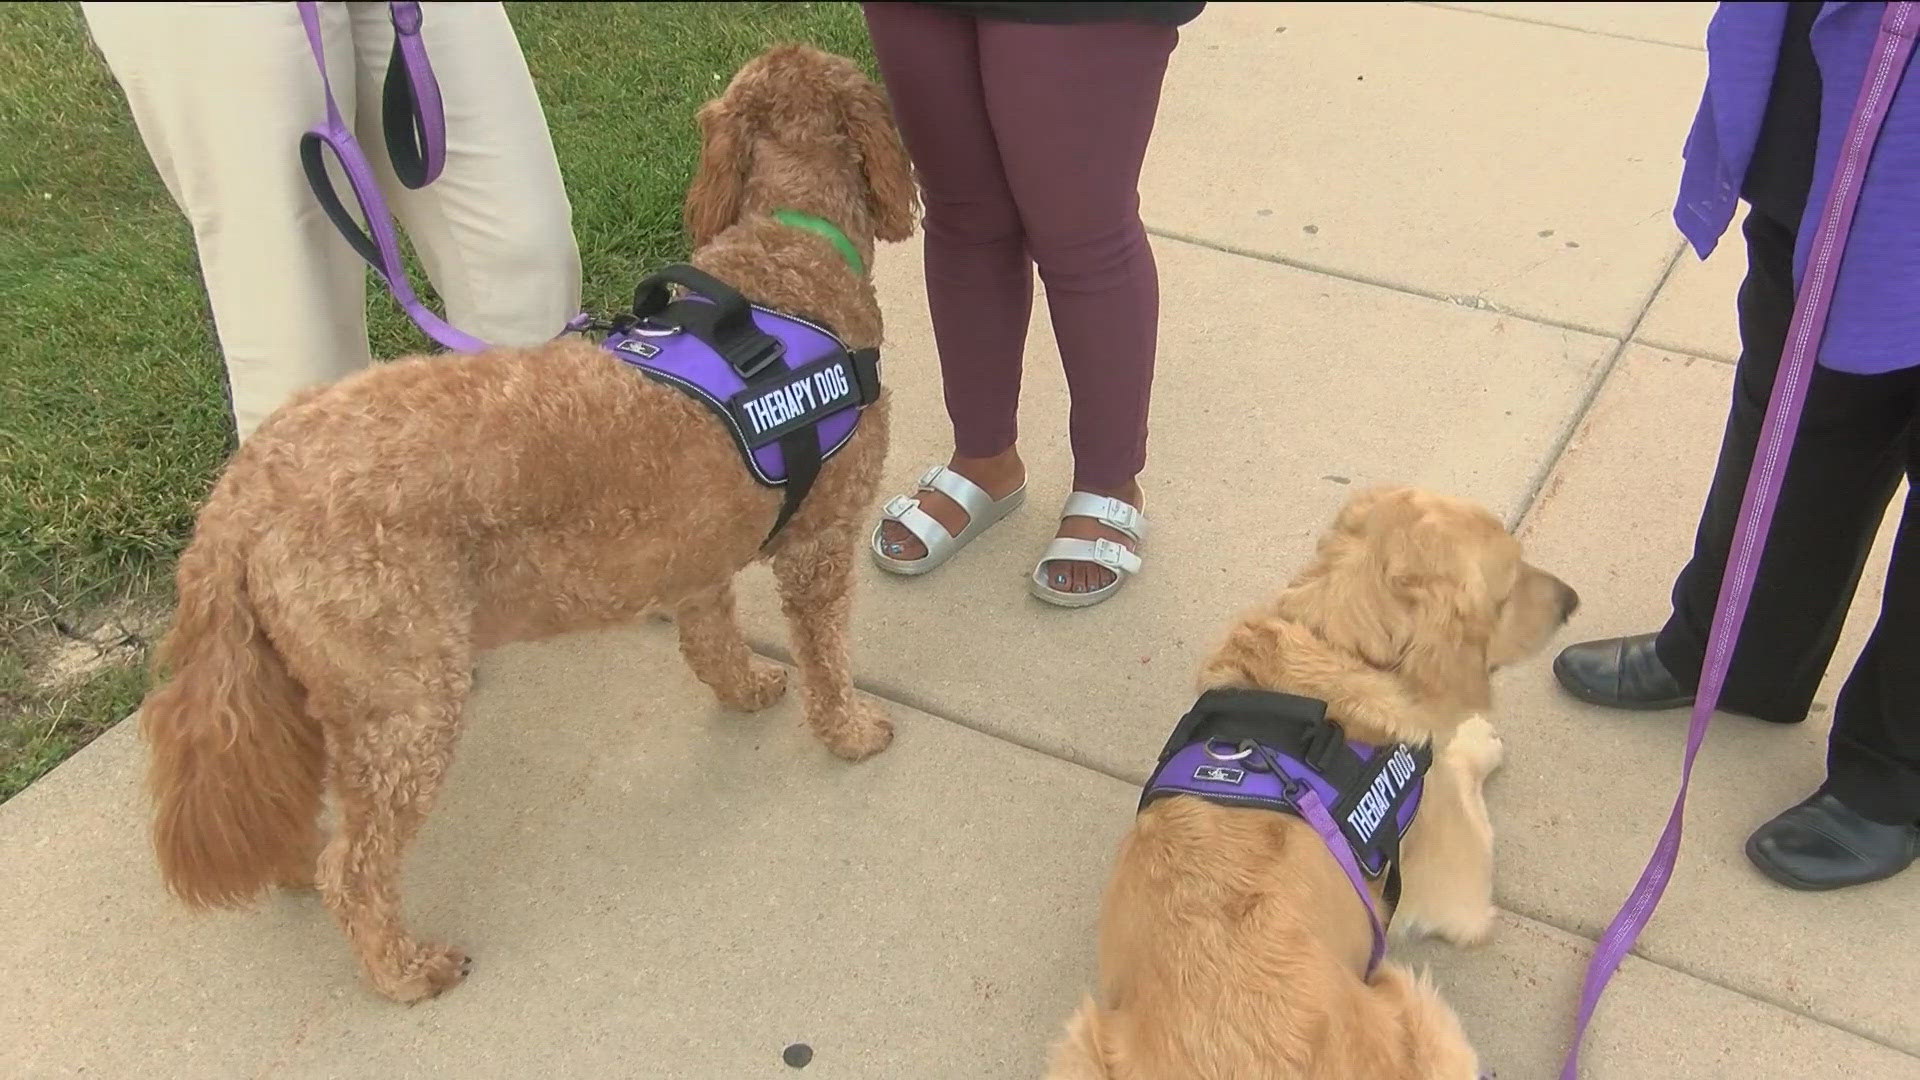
(999, 476)
(1073, 576)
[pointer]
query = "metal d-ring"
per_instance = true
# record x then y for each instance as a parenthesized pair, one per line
(649, 328)
(1244, 752)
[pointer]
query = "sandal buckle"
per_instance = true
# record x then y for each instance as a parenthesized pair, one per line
(898, 505)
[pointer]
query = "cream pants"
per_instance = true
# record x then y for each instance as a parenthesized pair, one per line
(221, 93)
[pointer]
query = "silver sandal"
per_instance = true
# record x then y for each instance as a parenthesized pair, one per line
(1115, 514)
(983, 512)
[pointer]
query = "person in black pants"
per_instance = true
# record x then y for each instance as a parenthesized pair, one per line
(1857, 437)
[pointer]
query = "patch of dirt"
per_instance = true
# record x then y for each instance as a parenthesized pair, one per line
(70, 650)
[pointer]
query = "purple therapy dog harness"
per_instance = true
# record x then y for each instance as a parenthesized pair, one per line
(1257, 748)
(789, 391)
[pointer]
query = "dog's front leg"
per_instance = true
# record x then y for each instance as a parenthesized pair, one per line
(1447, 856)
(816, 585)
(717, 651)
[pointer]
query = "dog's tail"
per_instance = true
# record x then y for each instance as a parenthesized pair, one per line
(237, 761)
(1079, 1054)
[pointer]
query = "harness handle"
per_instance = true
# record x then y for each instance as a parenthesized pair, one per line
(730, 329)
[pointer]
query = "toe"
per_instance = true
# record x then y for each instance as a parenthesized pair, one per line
(1068, 576)
(897, 543)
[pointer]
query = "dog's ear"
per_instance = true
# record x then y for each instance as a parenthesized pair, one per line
(892, 197)
(1444, 653)
(1439, 572)
(713, 199)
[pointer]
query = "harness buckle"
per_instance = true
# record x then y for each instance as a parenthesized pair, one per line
(1326, 738)
(756, 357)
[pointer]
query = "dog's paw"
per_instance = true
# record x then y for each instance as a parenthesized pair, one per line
(766, 683)
(866, 732)
(1477, 747)
(1466, 931)
(430, 972)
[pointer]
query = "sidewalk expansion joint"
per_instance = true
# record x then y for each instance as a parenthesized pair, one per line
(1470, 302)
(1638, 953)
(1509, 17)
(893, 695)
(1551, 460)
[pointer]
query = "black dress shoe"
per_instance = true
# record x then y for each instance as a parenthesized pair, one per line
(1620, 673)
(1820, 844)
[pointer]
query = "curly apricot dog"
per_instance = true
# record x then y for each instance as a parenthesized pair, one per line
(375, 535)
(1232, 945)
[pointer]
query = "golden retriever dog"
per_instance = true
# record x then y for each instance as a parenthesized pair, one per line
(375, 535)
(1232, 946)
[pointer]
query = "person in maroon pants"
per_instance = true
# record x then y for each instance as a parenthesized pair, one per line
(1028, 124)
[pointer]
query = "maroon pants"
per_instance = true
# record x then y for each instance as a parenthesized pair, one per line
(1028, 140)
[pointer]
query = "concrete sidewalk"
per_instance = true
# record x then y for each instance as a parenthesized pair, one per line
(1419, 243)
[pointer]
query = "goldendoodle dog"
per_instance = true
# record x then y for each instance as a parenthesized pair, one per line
(1240, 936)
(376, 534)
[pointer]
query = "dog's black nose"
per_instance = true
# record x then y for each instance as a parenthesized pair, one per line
(1569, 601)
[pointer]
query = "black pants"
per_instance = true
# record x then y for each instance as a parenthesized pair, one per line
(1857, 437)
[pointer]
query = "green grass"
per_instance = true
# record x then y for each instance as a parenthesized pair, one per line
(113, 416)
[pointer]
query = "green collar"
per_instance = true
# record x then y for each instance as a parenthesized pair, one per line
(827, 229)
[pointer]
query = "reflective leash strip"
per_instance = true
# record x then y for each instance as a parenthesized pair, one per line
(1888, 64)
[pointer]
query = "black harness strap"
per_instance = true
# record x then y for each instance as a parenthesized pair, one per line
(1296, 726)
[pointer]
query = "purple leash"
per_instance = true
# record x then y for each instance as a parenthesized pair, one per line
(416, 128)
(411, 111)
(378, 245)
(1888, 63)
(1322, 821)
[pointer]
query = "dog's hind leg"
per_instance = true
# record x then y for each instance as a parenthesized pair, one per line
(1078, 1054)
(1410, 1032)
(816, 585)
(711, 641)
(1448, 852)
(388, 761)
